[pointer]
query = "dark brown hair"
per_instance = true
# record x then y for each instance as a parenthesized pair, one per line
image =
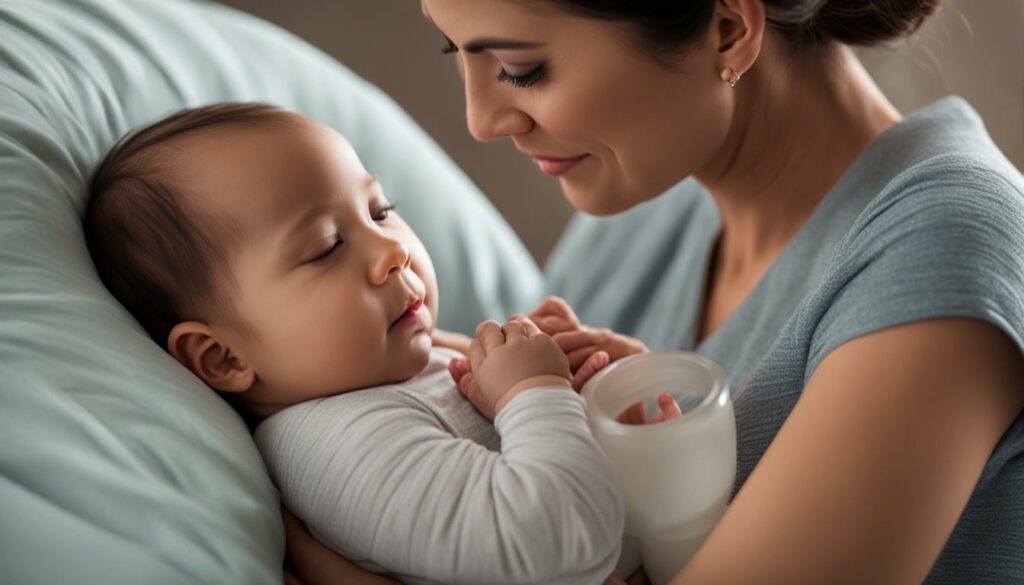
(664, 27)
(163, 262)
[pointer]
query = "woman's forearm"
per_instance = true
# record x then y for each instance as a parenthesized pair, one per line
(849, 490)
(315, 564)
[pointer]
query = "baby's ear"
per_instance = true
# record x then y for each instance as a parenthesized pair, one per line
(196, 347)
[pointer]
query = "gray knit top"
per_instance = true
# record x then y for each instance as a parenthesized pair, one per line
(927, 223)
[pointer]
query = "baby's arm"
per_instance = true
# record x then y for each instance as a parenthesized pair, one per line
(382, 482)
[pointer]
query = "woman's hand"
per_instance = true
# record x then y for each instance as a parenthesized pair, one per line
(553, 315)
(637, 414)
(579, 342)
(310, 563)
(505, 360)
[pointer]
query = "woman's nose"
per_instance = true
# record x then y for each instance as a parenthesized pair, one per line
(390, 256)
(489, 115)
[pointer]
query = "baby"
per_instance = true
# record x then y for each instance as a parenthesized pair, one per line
(254, 246)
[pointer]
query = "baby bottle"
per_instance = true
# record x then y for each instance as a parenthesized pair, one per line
(675, 476)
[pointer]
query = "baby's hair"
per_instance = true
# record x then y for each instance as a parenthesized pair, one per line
(163, 262)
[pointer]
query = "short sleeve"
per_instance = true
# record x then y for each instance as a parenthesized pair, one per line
(945, 239)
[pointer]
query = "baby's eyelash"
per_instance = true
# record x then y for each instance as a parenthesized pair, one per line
(385, 211)
(324, 255)
(449, 48)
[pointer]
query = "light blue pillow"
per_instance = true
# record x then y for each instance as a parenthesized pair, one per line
(117, 465)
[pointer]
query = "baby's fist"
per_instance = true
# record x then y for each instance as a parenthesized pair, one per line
(505, 360)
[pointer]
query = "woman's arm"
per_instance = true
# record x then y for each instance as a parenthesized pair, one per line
(315, 564)
(868, 476)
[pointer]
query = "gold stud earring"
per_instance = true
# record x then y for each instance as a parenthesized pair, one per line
(729, 76)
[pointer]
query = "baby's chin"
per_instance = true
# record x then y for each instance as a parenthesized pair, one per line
(413, 358)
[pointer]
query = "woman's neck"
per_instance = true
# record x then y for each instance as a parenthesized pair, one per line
(794, 136)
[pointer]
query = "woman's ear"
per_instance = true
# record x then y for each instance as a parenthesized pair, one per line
(738, 33)
(196, 347)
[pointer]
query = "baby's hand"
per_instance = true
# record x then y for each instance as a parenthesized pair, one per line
(459, 367)
(505, 360)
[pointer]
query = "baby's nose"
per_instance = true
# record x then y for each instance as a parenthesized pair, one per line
(393, 256)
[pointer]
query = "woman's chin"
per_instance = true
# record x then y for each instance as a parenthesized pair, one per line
(597, 204)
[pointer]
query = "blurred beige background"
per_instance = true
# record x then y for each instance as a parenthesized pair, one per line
(973, 48)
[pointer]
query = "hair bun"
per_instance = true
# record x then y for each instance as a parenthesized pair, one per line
(851, 22)
(868, 22)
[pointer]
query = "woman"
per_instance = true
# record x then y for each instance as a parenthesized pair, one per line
(858, 274)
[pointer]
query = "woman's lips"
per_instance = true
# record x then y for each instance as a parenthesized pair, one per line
(557, 166)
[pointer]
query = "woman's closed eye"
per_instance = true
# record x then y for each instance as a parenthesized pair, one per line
(526, 79)
(523, 80)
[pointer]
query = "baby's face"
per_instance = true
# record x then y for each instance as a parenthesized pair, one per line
(336, 292)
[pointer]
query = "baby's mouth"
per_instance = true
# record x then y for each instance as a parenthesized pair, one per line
(411, 313)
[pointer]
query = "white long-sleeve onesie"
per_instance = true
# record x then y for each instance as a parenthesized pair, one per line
(412, 481)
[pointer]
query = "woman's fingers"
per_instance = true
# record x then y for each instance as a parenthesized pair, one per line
(668, 406)
(637, 413)
(634, 415)
(594, 363)
(555, 306)
(571, 340)
(553, 325)
(579, 356)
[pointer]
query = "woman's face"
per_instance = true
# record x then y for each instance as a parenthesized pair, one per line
(613, 124)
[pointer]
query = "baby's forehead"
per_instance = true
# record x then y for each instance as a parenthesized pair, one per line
(257, 176)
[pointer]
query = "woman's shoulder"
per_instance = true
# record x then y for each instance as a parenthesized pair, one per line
(953, 198)
(944, 238)
(942, 172)
(938, 153)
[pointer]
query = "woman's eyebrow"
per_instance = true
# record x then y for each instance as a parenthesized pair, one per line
(484, 44)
